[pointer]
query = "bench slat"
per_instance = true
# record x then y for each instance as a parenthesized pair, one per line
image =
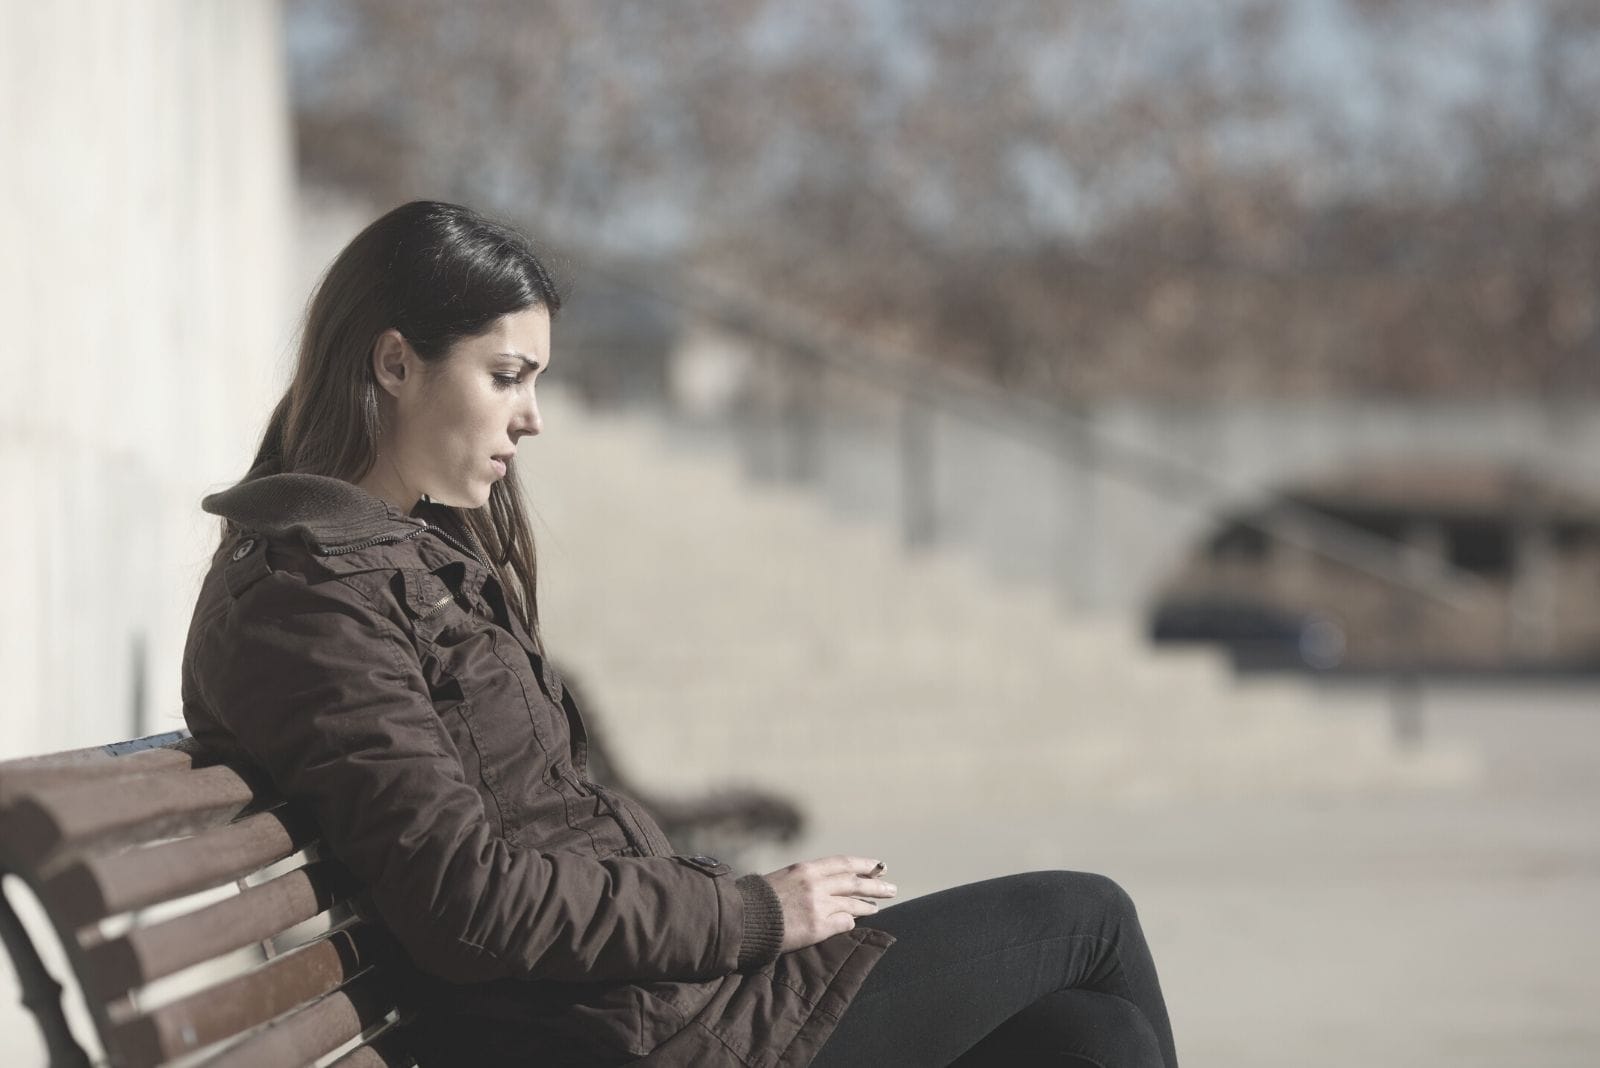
(314, 1030)
(95, 764)
(106, 830)
(96, 887)
(145, 954)
(388, 1050)
(40, 825)
(242, 1003)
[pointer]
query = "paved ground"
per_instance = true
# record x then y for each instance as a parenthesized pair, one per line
(1415, 931)
(1410, 931)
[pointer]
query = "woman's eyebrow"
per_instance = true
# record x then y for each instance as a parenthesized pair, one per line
(532, 365)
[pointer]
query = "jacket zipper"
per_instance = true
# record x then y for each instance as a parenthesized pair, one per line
(435, 606)
(379, 539)
(450, 539)
(483, 558)
(367, 543)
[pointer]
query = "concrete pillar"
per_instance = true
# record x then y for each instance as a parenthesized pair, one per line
(147, 237)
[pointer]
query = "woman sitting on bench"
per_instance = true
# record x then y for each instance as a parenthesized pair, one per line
(368, 635)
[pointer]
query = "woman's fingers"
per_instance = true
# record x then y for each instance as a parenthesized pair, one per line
(827, 867)
(845, 864)
(823, 897)
(856, 907)
(848, 876)
(839, 875)
(856, 886)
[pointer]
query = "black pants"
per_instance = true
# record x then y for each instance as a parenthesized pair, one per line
(1048, 967)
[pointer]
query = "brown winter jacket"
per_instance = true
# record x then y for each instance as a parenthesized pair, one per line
(367, 661)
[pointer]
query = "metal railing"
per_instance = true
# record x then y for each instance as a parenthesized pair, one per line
(801, 348)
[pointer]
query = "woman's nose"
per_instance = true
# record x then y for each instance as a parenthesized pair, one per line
(529, 419)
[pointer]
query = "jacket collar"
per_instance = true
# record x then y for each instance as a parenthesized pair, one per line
(324, 512)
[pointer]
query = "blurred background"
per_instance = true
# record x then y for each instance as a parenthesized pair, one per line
(1135, 436)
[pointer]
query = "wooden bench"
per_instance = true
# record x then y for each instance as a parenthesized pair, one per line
(203, 920)
(199, 914)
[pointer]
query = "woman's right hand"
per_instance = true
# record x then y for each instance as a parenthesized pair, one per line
(822, 898)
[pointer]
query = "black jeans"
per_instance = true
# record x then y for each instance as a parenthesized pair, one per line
(1047, 967)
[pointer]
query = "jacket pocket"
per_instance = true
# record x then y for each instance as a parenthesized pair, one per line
(668, 1010)
(637, 825)
(476, 667)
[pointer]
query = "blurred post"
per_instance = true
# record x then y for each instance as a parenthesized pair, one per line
(1075, 482)
(918, 518)
(801, 415)
(1409, 647)
(1530, 618)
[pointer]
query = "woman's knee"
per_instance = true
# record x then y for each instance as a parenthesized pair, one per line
(1083, 891)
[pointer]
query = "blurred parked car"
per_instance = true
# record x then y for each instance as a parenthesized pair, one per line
(1259, 636)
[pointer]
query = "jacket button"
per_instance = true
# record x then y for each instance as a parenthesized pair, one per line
(704, 861)
(244, 548)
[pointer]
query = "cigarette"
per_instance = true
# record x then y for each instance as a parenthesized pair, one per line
(876, 871)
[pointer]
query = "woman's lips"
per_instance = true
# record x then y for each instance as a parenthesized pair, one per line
(499, 467)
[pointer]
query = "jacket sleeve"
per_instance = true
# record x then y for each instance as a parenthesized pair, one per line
(325, 692)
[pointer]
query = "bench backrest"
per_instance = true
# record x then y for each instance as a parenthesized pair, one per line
(197, 911)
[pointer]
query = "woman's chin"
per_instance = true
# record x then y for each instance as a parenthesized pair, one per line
(477, 497)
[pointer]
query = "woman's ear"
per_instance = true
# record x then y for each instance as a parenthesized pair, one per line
(390, 360)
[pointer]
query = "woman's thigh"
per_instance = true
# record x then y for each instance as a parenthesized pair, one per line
(968, 959)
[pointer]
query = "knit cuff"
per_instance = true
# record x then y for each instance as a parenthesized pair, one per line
(763, 922)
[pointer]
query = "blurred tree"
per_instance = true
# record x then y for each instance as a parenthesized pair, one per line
(1243, 197)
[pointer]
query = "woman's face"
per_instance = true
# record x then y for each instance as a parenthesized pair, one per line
(446, 425)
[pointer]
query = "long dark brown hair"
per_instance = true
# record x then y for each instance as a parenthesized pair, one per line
(437, 273)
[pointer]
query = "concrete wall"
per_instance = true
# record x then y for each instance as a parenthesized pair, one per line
(146, 312)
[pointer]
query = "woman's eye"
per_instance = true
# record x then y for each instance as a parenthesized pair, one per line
(504, 381)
